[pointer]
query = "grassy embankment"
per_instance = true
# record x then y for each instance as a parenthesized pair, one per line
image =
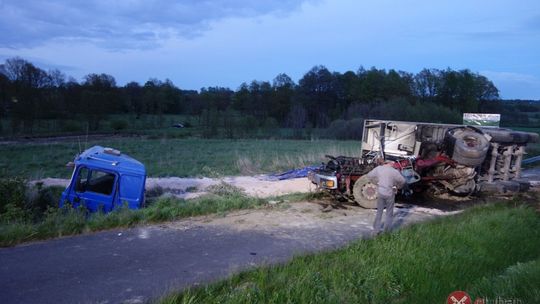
(489, 251)
(176, 157)
(17, 225)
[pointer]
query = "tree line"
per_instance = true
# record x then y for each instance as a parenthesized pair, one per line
(320, 99)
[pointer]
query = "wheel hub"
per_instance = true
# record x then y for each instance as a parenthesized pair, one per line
(369, 191)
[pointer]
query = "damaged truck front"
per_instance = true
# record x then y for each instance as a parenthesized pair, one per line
(105, 179)
(434, 158)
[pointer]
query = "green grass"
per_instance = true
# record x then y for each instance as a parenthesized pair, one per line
(176, 157)
(487, 251)
(68, 221)
(519, 281)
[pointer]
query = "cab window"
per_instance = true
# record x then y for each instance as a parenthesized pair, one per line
(95, 181)
(82, 179)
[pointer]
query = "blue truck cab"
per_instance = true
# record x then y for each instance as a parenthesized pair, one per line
(105, 179)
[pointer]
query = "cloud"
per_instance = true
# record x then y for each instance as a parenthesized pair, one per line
(129, 24)
(515, 85)
(511, 77)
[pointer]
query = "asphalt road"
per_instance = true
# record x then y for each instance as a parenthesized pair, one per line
(138, 264)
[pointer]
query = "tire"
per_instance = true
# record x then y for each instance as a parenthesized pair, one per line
(505, 136)
(470, 146)
(520, 137)
(500, 135)
(365, 193)
(534, 137)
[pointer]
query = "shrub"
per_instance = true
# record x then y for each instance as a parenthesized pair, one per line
(70, 126)
(44, 198)
(270, 127)
(12, 194)
(224, 189)
(21, 202)
(345, 129)
(119, 124)
(403, 110)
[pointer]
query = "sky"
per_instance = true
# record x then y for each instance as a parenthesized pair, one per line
(224, 43)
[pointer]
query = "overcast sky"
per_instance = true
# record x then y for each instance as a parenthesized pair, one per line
(224, 43)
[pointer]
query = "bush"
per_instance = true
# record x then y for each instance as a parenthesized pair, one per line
(43, 198)
(119, 124)
(20, 202)
(70, 126)
(270, 128)
(403, 110)
(345, 129)
(12, 193)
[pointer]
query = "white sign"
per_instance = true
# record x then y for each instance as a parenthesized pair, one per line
(481, 119)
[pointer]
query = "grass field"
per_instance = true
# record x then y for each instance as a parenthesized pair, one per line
(176, 157)
(490, 251)
(181, 157)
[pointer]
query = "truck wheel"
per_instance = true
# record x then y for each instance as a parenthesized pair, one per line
(365, 193)
(500, 135)
(470, 147)
(533, 137)
(505, 136)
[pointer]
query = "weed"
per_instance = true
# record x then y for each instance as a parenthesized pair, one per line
(224, 189)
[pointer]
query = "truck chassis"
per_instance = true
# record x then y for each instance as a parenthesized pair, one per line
(438, 159)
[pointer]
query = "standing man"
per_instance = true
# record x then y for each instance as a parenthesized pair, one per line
(389, 180)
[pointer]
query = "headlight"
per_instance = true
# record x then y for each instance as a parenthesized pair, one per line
(328, 183)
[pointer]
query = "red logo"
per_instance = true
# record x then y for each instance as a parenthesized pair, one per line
(459, 297)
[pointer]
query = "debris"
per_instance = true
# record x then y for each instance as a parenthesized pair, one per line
(328, 208)
(295, 173)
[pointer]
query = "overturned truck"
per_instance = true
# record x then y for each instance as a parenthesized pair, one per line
(436, 159)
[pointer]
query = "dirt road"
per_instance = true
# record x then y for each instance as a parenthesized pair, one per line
(191, 187)
(134, 265)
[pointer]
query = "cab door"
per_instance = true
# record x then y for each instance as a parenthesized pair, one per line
(94, 189)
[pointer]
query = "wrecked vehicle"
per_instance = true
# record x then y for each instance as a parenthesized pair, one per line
(105, 179)
(436, 159)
